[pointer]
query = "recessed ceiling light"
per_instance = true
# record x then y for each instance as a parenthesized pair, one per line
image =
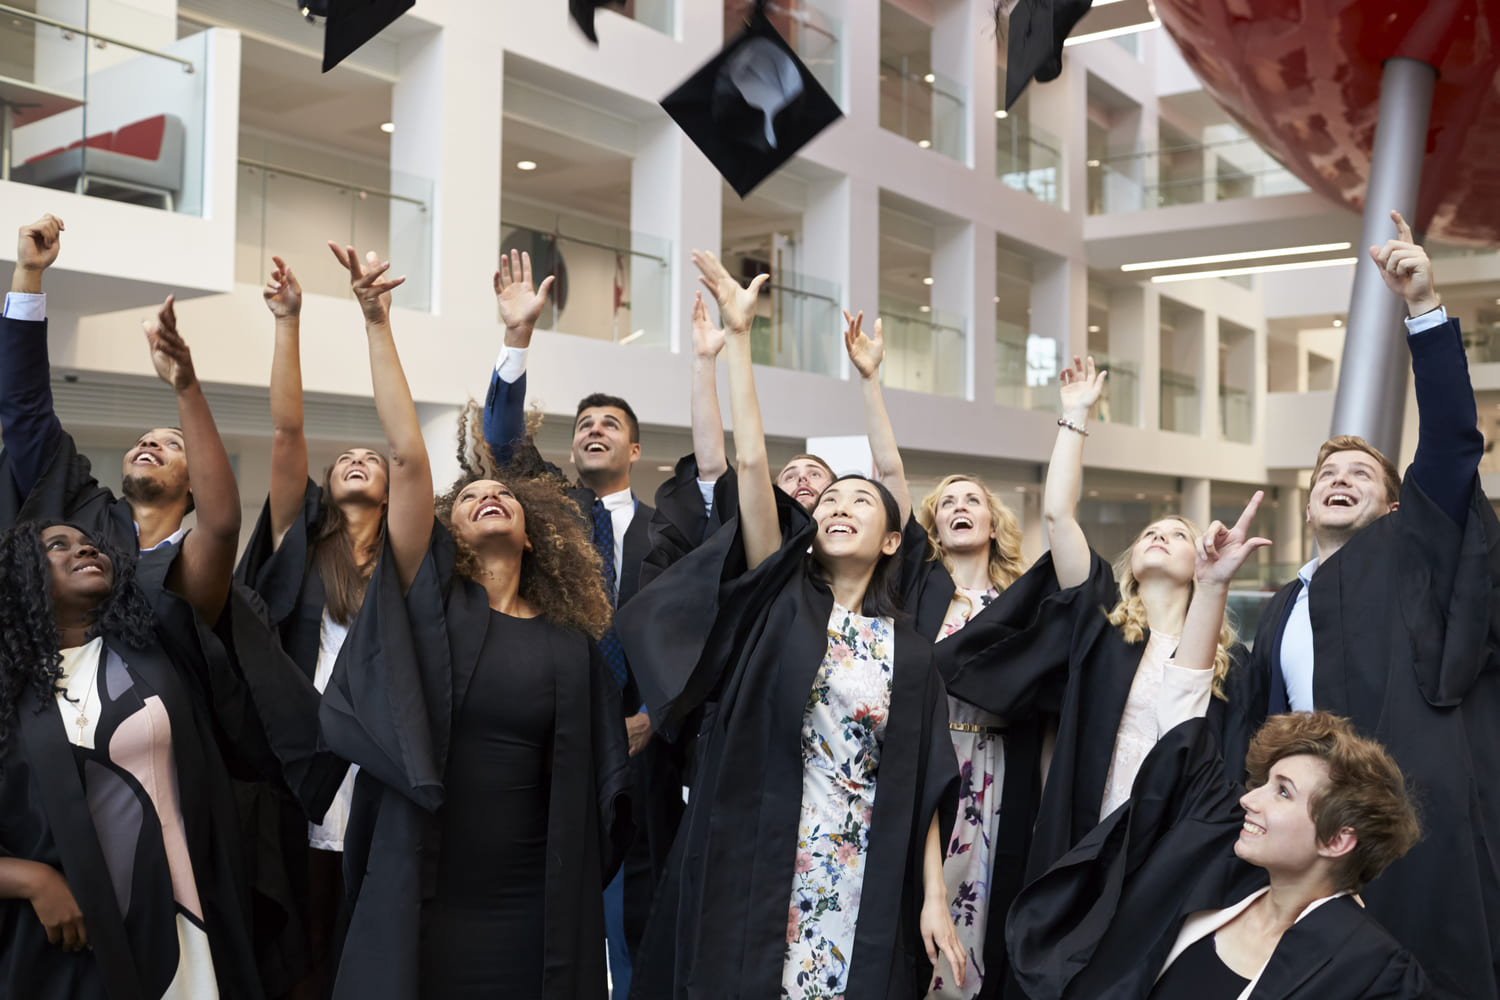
(1338, 322)
(929, 78)
(387, 127)
(525, 164)
(1020, 489)
(1140, 496)
(664, 468)
(1093, 163)
(925, 143)
(927, 280)
(1230, 272)
(1093, 493)
(1220, 258)
(1093, 328)
(633, 336)
(997, 300)
(925, 309)
(1001, 113)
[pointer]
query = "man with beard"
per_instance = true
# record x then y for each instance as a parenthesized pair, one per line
(1394, 625)
(45, 476)
(606, 443)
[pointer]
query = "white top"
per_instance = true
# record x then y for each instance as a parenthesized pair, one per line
(1162, 696)
(80, 682)
(329, 834)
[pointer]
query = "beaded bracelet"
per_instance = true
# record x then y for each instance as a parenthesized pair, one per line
(1065, 422)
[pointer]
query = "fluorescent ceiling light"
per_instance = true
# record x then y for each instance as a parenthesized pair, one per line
(637, 335)
(1220, 258)
(1229, 272)
(1129, 29)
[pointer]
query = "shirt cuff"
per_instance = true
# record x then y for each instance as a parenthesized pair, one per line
(511, 364)
(1185, 693)
(706, 491)
(26, 306)
(1429, 319)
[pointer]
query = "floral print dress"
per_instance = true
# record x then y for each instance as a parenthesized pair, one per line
(843, 727)
(971, 850)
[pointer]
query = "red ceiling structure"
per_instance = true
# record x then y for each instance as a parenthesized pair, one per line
(1303, 78)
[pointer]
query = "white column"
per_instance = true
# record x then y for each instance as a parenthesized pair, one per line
(954, 258)
(1196, 503)
(1291, 513)
(440, 434)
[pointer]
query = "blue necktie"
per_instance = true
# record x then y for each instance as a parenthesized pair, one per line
(604, 542)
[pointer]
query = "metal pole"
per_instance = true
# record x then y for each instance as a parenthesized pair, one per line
(1371, 397)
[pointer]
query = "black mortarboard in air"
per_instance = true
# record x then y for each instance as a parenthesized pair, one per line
(352, 23)
(752, 106)
(582, 12)
(1035, 43)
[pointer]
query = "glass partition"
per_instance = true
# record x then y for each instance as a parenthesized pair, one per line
(284, 211)
(799, 325)
(1179, 403)
(117, 118)
(811, 31)
(924, 352)
(1120, 403)
(1028, 158)
(612, 283)
(1226, 166)
(1236, 415)
(659, 15)
(925, 107)
(1026, 368)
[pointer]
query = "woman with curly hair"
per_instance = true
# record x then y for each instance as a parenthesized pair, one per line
(1119, 654)
(793, 877)
(119, 842)
(487, 730)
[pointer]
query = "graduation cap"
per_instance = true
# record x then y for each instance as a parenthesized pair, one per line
(352, 23)
(1035, 43)
(752, 106)
(582, 12)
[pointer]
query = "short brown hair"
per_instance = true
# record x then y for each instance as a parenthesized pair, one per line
(1349, 442)
(810, 458)
(1365, 790)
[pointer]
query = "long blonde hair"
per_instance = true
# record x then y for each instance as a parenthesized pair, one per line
(1129, 616)
(1005, 563)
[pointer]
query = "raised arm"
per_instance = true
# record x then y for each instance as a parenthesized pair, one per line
(29, 426)
(201, 573)
(409, 514)
(1221, 553)
(1449, 443)
(708, 423)
(759, 526)
(1081, 388)
(520, 306)
(866, 353)
(283, 297)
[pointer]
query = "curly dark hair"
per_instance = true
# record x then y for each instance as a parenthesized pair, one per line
(560, 573)
(29, 654)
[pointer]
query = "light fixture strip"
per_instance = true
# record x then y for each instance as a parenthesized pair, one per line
(1220, 258)
(1096, 36)
(1229, 272)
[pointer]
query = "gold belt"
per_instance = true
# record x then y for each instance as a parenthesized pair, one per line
(970, 727)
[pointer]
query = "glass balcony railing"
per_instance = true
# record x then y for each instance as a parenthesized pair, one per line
(1179, 403)
(802, 331)
(612, 284)
(111, 117)
(1482, 344)
(1193, 174)
(1120, 403)
(1028, 158)
(1026, 367)
(812, 32)
(924, 106)
(924, 352)
(1236, 415)
(659, 15)
(294, 212)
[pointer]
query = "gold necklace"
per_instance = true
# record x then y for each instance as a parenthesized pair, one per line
(82, 719)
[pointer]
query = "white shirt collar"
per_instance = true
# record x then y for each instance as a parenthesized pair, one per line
(1305, 574)
(171, 539)
(616, 501)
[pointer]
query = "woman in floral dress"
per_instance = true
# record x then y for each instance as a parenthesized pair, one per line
(811, 853)
(978, 541)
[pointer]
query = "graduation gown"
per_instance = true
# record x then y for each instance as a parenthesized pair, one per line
(752, 643)
(45, 816)
(390, 707)
(1406, 643)
(1102, 921)
(1040, 649)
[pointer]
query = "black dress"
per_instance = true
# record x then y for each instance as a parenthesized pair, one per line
(1199, 974)
(485, 925)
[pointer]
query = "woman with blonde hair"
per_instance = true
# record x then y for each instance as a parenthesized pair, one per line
(1118, 654)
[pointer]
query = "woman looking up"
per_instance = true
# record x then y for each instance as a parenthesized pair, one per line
(796, 879)
(488, 732)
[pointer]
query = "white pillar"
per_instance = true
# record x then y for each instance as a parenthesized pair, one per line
(440, 434)
(953, 265)
(1291, 513)
(1197, 505)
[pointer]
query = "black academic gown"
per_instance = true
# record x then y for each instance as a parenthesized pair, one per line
(1101, 922)
(390, 706)
(1406, 642)
(752, 643)
(1040, 649)
(44, 816)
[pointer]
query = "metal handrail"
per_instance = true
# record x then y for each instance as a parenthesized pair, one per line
(271, 168)
(187, 64)
(587, 243)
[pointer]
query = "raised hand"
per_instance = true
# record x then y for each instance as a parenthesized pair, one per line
(1406, 269)
(865, 352)
(708, 340)
(38, 244)
(1081, 388)
(169, 352)
(366, 282)
(1222, 551)
(520, 305)
(282, 293)
(736, 303)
